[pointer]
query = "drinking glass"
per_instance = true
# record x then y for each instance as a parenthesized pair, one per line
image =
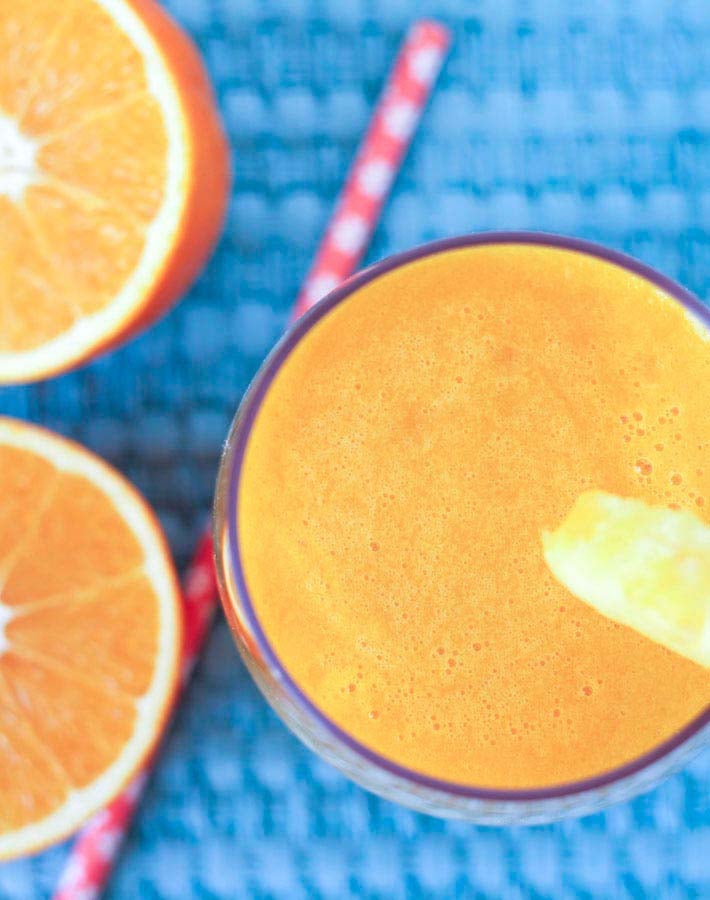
(358, 762)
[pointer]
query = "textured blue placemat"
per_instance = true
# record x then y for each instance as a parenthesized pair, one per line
(591, 118)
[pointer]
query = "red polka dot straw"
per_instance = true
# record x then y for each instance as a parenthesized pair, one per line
(377, 162)
(356, 213)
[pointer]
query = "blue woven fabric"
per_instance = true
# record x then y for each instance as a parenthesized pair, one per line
(590, 118)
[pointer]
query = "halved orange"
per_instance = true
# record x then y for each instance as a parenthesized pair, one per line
(114, 176)
(90, 635)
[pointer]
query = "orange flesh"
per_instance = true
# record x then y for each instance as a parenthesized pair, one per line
(405, 461)
(73, 664)
(78, 232)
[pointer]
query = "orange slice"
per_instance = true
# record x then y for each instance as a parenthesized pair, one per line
(90, 634)
(644, 566)
(113, 176)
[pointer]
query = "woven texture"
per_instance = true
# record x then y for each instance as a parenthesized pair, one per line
(590, 118)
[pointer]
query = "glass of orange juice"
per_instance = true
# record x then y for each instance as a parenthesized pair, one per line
(379, 514)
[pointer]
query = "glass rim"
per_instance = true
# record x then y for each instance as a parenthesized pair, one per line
(236, 448)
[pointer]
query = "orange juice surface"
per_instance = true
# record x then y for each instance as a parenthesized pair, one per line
(404, 463)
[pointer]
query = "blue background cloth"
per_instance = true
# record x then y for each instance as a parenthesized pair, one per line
(591, 118)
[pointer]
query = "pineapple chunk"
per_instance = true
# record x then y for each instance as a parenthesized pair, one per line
(645, 566)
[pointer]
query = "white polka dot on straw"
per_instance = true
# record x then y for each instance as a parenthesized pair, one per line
(350, 233)
(85, 893)
(196, 583)
(108, 842)
(74, 875)
(400, 118)
(375, 177)
(425, 64)
(321, 285)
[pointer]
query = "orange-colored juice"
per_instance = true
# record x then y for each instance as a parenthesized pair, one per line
(407, 457)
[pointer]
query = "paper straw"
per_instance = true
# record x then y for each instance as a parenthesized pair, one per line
(352, 224)
(377, 162)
